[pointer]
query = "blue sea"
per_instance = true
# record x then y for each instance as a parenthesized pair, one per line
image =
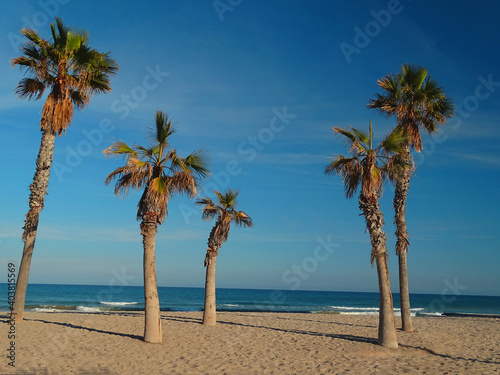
(94, 298)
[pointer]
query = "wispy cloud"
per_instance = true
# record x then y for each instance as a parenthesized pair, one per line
(480, 159)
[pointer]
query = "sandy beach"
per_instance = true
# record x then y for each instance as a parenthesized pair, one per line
(249, 343)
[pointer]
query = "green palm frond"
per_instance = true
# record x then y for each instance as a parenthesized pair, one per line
(395, 142)
(162, 129)
(412, 76)
(120, 148)
(159, 185)
(225, 212)
(360, 136)
(197, 162)
(229, 198)
(365, 168)
(66, 67)
(158, 169)
(353, 139)
(416, 100)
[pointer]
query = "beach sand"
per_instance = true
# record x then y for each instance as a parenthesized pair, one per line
(248, 343)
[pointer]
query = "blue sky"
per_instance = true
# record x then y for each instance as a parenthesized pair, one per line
(259, 85)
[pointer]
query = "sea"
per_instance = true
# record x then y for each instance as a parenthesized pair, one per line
(95, 298)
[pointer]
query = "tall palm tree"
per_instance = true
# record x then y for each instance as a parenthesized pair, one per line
(368, 167)
(417, 101)
(163, 174)
(72, 72)
(226, 213)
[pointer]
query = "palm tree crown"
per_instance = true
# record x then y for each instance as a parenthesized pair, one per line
(158, 169)
(367, 166)
(68, 67)
(416, 100)
(226, 213)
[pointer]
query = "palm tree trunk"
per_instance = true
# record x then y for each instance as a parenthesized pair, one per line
(38, 190)
(209, 310)
(402, 187)
(152, 323)
(387, 336)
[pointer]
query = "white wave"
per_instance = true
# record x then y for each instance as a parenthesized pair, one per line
(88, 309)
(229, 305)
(369, 310)
(398, 313)
(118, 303)
(45, 309)
(349, 308)
(359, 313)
(431, 314)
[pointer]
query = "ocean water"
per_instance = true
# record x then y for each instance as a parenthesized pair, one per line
(94, 298)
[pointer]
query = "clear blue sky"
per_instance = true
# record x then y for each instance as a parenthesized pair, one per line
(259, 84)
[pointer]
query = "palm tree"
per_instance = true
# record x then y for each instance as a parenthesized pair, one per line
(226, 213)
(368, 167)
(163, 174)
(417, 101)
(72, 72)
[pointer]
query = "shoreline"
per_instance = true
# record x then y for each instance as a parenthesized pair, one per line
(248, 343)
(5, 314)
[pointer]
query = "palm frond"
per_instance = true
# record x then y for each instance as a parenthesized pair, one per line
(30, 88)
(228, 199)
(395, 167)
(162, 128)
(241, 219)
(182, 183)
(160, 171)
(209, 209)
(360, 136)
(416, 100)
(349, 169)
(59, 66)
(120, 148)
(197, 162)
(395, 142)
(353, 139)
